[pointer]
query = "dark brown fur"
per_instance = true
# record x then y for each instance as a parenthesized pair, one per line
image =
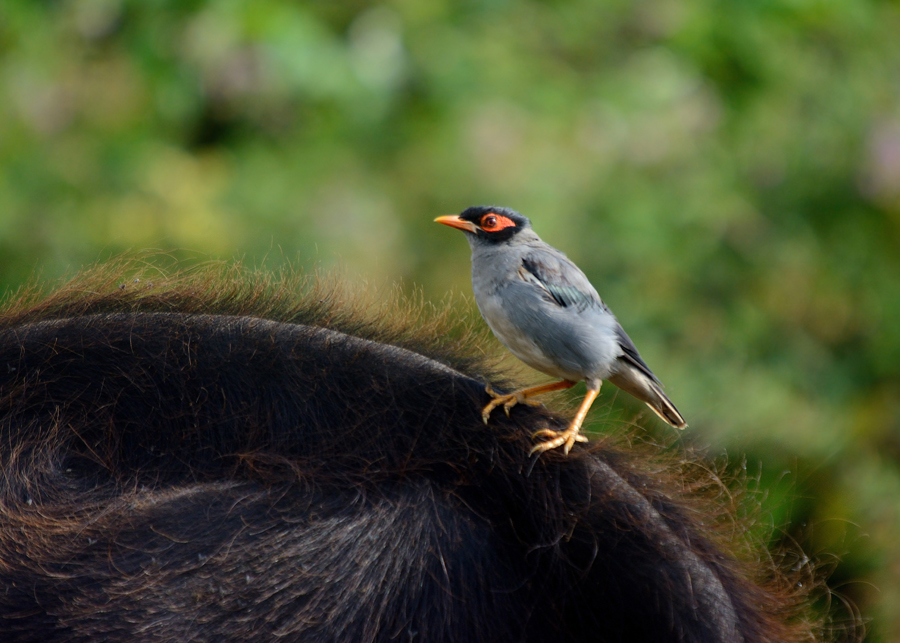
(222, 457)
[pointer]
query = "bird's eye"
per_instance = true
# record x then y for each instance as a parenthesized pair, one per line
(493, 222)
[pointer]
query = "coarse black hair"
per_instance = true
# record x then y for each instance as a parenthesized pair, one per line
(223, 455)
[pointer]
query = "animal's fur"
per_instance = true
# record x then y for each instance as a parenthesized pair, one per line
(221, 457)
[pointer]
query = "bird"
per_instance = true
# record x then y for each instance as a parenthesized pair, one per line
(543, 308)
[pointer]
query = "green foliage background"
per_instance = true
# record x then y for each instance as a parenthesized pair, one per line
(726, 172)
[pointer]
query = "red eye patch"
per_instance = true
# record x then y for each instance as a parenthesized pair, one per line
(495, 222)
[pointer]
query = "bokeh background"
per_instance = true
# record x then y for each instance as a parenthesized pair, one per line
(727, 174)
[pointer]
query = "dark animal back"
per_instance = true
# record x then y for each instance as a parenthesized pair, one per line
(180, 476)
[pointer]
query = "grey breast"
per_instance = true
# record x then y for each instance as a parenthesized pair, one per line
(570, 342)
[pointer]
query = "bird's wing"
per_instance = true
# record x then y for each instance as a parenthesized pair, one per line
(564, 284)
(630, 354)
(560, 279)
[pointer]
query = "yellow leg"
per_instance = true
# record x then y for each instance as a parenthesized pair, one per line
(519, 397)
(571, 435)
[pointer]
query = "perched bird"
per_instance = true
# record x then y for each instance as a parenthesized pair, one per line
(546, 312)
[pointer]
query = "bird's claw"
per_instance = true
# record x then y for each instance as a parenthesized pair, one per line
(557, 438)
(508, 401)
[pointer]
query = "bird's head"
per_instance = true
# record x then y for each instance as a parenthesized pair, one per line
(487, 223)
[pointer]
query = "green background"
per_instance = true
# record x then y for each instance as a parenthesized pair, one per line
(727, 173)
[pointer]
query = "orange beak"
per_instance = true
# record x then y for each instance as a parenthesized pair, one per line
(454, 221)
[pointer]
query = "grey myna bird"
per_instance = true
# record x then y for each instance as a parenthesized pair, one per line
(546, 312)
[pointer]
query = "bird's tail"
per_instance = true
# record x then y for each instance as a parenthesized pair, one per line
(649, 391)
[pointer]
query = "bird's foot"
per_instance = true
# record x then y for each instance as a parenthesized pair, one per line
(508, 401)
(557, 438)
